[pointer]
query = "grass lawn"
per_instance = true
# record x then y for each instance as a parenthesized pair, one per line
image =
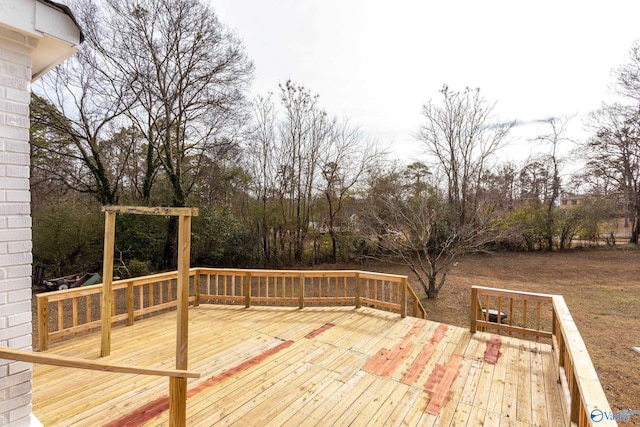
(601, 288)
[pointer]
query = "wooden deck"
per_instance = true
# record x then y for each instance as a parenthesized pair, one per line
(317, 366)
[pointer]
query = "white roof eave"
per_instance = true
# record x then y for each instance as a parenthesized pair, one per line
(48, 29)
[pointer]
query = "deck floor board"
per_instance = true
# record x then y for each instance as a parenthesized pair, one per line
(317, 366)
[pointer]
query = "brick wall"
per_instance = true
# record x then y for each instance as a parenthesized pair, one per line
(15, 231)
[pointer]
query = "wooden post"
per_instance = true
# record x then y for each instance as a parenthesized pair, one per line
(403, 297)
(301, 292)
(474, 309)
(107, 279)
(177, 402)
(43, 322)
(358, 290)
(184, 245)
(247, 290)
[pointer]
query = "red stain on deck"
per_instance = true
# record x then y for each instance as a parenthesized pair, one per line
(386, 361)
(392, 365)
(320, 330)
(158, 406)
(492, 352)
(418, 365)
(440, 385)
(377, 359)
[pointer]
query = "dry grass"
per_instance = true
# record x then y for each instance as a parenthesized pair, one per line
(601, 288)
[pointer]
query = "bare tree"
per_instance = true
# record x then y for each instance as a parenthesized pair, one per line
(304, 165)
(628, 75)
(305, 132)
(79, 106)
(553, 161)
(261, 148)
(429, 228)
(187, 74)
(462, 135)
(343, 165)
(613, 153)
(423, 232)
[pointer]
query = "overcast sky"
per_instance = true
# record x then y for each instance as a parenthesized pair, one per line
(377, 62)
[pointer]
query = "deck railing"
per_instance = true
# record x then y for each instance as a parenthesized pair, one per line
(532, 315)
(308, 287)
(133, 298)
(73, 311)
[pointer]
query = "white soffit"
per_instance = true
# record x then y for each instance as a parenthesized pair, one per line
(55, 33)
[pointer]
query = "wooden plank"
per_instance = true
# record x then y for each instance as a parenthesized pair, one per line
(487, 387)
(182, 324)
(441, 391)
(516, 295)
(510, 329)
(497, 390)
(539, 415)
(509, 403)
(43, 322)
(286, 391)
(523, 413)
(78, 363)
(553, 397)
(158, 211)
(107, 278)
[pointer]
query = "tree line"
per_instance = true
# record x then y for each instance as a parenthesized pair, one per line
(154, 110)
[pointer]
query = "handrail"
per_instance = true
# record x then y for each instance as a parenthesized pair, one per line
(522, 318)
(417, 305)
(576, 374)
(78, 363)
(583, 390)
(145, 295)
(177, 378)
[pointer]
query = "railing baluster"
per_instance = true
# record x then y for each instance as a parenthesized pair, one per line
(43, 322)
(301, 292)
(60, 315)
(88, 308)
(247, 289)
(130, 304)
(74, 311)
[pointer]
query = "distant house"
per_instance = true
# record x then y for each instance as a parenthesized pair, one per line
(35, 36)
(567, 200)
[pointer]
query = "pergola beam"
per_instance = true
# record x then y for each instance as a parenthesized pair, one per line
(159, 211)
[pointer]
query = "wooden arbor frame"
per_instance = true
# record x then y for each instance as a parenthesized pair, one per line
(184, 248)
(177, 385)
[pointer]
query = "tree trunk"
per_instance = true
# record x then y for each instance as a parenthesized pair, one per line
(170, 245)
(432, 292)
(635, 228)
